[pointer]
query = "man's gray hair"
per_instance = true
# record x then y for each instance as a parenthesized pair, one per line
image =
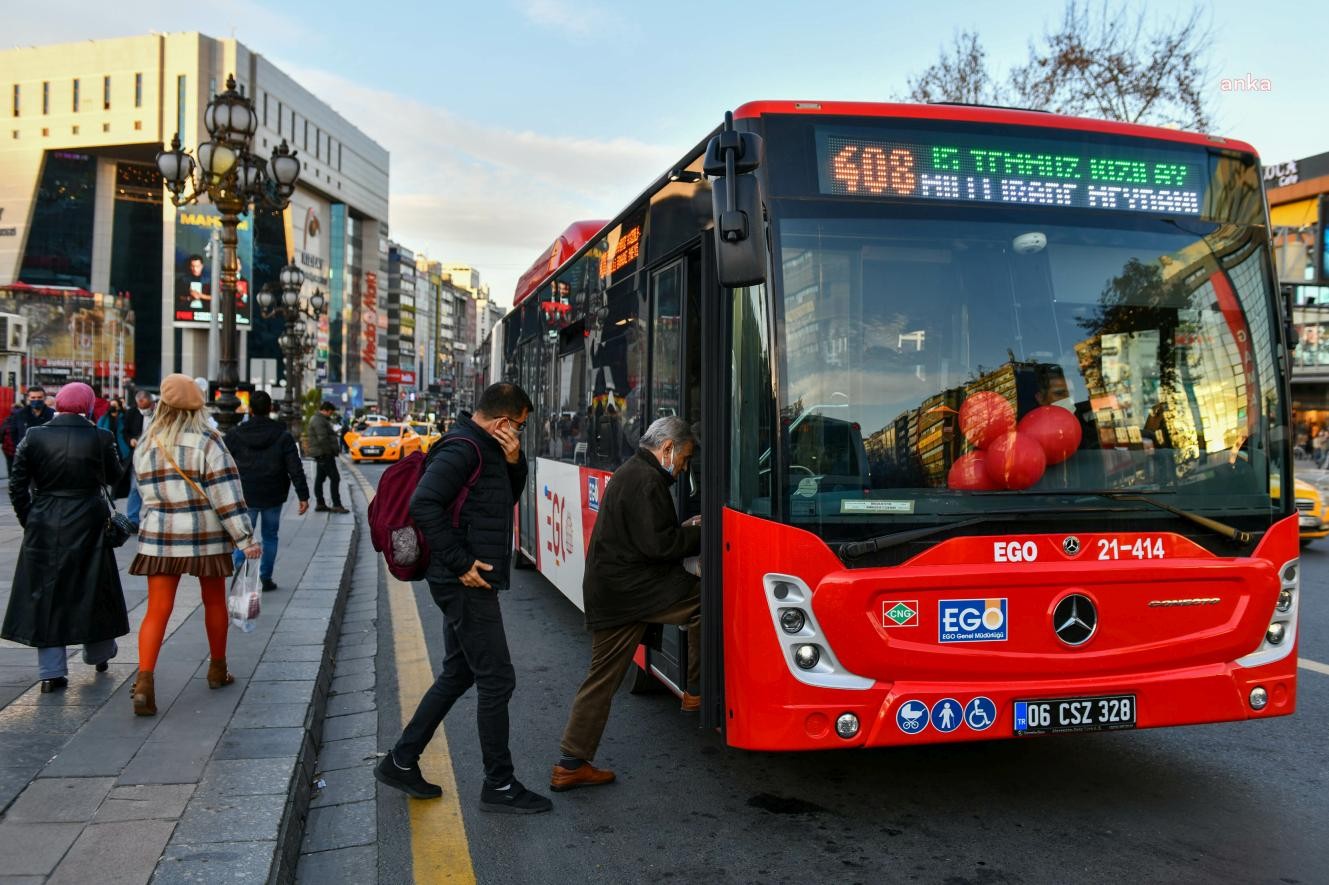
(667, 429)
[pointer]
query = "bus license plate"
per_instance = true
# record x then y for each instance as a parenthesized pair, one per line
(1075, 714)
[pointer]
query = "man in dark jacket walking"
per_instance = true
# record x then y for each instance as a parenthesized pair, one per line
(634, 577)
(323, 448)
(21, 420)
(265, 454)
(467, 565)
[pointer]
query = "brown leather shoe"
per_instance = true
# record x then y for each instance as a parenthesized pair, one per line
(218, 675)
(691, 703)
(585, 776)
(144, 695)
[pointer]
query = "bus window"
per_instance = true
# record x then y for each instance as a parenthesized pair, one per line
(618, 367)
(566, 439)
(666, 332)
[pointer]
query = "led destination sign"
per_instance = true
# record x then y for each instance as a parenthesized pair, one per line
(1037, 172)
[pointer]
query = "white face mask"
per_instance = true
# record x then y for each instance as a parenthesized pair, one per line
(670, 468)
(1068, 404)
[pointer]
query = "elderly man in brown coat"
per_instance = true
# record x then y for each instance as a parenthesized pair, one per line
(634, 577)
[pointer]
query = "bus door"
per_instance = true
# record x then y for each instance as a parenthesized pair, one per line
(676, 391)
(530, 377)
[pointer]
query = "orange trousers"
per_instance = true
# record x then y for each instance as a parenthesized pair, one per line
(161, 600)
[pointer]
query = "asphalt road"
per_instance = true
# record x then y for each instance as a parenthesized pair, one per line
(1222, 803)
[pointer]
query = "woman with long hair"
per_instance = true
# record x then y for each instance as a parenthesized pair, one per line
(194, 517)
(66, 587)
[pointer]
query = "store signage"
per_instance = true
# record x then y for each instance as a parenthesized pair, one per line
(6, 231)
(1281, 174)
(369, 320)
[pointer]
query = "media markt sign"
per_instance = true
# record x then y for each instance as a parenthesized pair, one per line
(899, 614)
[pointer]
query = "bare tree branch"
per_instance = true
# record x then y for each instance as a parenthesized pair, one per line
(960, 74)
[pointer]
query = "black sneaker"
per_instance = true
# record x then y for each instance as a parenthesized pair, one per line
(320, 507)
(516, 799)
(409, 780)
(269, 585)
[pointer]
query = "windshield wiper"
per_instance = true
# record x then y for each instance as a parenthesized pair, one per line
(855, 549)
(1232, 533)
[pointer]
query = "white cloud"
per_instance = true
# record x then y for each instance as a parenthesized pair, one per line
(579, 21)
(485, 195)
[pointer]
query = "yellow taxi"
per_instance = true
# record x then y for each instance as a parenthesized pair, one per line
(1310, 510)
(385, 442)
(428, 435)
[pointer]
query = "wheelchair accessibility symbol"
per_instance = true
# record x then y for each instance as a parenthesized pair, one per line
(912, 717)
(980, 713)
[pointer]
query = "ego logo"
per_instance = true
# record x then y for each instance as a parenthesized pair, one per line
(1014, 551)
(971, 620)
(561, 527)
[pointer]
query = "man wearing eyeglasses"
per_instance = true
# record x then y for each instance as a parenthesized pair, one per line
(34, 413)
(479, 470)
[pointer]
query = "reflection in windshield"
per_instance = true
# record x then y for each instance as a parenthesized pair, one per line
(383, 431)
(930, 358)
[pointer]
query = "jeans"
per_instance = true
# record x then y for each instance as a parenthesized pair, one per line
(53, 662)
(135, 504)
(475, 653)
(270, 517)
(326, 468)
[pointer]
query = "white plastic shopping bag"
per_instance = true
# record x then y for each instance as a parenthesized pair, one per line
(242, 599)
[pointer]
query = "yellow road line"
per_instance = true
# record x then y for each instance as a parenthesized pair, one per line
(439, 850)
(1316, 666)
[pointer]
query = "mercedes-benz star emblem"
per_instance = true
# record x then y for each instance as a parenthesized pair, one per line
(1075, 619)
(1071, 545)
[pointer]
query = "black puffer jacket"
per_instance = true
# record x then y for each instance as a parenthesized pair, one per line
(265, 454)
(485, 530)
(66, 584)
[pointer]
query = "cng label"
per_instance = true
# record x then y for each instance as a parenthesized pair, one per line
(899, 614)
(971, 620)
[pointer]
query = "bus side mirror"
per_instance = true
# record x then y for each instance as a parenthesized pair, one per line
(732, 159)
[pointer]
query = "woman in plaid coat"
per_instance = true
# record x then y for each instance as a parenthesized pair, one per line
(194, 517)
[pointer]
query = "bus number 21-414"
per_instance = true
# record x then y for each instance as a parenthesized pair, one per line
(1140, 548)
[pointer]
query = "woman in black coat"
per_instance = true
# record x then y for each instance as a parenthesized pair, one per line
(66, 585)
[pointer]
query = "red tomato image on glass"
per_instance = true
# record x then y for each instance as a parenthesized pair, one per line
(984, 417)
(1055, 429)
(1015, 461)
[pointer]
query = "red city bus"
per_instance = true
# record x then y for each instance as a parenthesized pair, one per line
(991, 404)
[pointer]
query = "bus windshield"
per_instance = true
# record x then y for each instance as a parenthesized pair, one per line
(934, 364)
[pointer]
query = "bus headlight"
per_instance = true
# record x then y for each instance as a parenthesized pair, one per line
(1281, 634)
(1259, 697)
(806, 651)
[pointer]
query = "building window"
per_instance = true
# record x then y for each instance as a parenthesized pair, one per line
(16, 99)
(138, 90)
(265, 109)
(306, 132)
(75, 130)
(138, 124)
(280, 112)
(106, 127)
(46, 96)
(180, 96)
(45, 132)
(75, 102)
(339, 161)
(212, 86)
(106, 93)
(14, 132)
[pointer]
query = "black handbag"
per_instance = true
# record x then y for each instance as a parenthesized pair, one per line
(118, 527)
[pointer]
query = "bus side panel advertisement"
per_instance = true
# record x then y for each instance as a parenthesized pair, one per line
(559, 533)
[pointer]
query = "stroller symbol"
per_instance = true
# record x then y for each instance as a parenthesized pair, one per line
(912, 718)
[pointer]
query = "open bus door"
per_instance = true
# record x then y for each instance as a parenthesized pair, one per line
(713, 324)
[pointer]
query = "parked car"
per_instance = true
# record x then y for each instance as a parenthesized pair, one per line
(1310, 511)
(428, 434)
(385, 442)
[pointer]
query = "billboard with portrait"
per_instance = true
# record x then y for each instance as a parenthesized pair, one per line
(194, 285)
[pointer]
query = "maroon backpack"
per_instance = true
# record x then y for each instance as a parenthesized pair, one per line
(391, 529)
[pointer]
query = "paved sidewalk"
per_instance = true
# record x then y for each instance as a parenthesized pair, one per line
(216, 787)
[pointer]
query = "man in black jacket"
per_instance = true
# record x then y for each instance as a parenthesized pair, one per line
(20, 421)
(265, 454)
(467, 565)
(634, 577)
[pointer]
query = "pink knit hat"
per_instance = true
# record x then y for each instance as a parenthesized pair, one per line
(75, 397)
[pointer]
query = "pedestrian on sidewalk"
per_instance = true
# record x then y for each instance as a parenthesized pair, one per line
(468, 564)
(194, 517)
(34, 414)
(114, 422)
(9, 436)
(136, 425)
(66, 587)
(323, 448)
(266, 456)
(634, 577)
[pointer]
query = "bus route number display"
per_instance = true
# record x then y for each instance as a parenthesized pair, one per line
(1019, 171)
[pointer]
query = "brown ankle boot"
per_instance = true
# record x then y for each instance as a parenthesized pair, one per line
(145, 695)
(217, 673)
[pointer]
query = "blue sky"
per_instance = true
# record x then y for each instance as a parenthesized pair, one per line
(508, 119)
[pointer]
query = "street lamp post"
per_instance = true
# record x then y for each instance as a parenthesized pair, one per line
(232, 178)
(296, 342)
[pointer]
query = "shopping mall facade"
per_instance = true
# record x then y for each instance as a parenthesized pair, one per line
(113, 281)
